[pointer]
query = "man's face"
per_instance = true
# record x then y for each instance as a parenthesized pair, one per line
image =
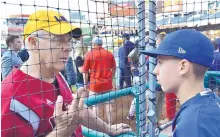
(16, 45)
(167, 73)
(54, 50)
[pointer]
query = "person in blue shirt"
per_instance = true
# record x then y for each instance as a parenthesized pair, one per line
(121, 68)
(69, 72)
(79, 55)
(10, 58)
(216, 64)
(183, 58)
(124, 64)
(117, 44)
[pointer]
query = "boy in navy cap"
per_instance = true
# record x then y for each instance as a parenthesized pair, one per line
(183, 58)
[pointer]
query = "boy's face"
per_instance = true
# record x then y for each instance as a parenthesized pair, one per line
(167, 73)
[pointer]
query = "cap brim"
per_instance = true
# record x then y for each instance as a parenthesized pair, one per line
(64, 28)
(153, 53)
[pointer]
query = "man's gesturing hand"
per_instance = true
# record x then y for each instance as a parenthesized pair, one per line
(66, 121)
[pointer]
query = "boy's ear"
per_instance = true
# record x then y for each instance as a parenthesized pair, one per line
(184, 67)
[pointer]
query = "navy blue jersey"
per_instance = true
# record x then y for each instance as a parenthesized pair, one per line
(198, 117)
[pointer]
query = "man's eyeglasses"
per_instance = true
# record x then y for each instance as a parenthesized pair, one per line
(58, 39)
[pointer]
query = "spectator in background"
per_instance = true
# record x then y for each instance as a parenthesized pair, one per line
(69, 72)
(121, 54)
(99, 66)
(117, 44)
(80, 52)
(159, 38)
(216, 64)
(124, 65)
(135, 73)
(23, 54)
(10, 58)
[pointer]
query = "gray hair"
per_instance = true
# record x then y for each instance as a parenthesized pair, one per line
(34, 34)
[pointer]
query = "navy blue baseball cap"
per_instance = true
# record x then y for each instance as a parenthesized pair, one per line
(186, 44)
(126, 35)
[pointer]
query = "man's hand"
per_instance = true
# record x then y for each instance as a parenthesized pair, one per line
(118, 129)
(66, 121)
(86, 79)
(114, 88)
(86, 86)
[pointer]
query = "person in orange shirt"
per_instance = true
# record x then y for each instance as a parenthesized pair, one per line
(99, 65)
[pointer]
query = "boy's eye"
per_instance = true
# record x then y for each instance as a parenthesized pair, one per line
(159, 62)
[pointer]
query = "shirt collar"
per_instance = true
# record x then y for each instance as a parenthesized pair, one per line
(196, 98)
(13, 52)
(98, 47)
(206, 93)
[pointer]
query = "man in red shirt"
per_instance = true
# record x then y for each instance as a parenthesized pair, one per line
(100, 67)
(36, 99)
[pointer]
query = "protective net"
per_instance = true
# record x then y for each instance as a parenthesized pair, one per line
(74, 68)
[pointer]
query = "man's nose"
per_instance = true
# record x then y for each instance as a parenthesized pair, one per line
(67, 49)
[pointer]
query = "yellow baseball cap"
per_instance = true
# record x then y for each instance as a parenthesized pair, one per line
(52, 22)
(118, 41)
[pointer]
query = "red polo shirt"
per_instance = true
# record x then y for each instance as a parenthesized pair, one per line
(27, 105)
(99, 63)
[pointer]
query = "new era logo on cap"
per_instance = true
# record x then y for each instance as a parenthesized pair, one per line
(181, 50)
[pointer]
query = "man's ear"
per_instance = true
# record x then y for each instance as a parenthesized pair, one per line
(9, 45)
(33, 42)
(184, 67)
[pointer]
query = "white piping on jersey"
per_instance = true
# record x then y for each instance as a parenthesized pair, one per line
(204, 93)
(49, 102)
(25, 113)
